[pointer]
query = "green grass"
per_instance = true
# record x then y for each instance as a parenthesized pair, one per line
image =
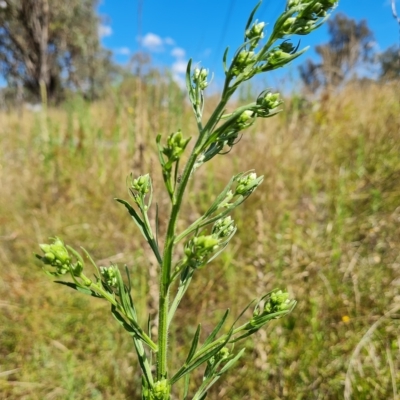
(324, 224)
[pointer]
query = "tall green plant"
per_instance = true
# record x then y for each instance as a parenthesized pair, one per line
(208, 236)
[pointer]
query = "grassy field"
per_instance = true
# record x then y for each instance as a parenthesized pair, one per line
(324, 224)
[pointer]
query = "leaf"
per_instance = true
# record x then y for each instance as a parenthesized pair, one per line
(216, 329)
(129, 328)
(76, 254)
(224, 58)
(129, 278)
(143, 361)
(186, 387)
(90, 259)
(139, 222)
(220, 197)
(188, 368)
(193, 347)
(81, 289)
(157, 224)
(250, 20)
(126, 298)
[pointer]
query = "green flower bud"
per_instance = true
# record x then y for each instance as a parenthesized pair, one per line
(247, 184)
(56, 255)
(255, 32)
(160, 390)
(245, 117)
(293, 3)
(141, 184)
(288, 26)
(223, 354)
(176, 145)
(270, 101)
(200, 78)
(244, 59)
(110, 275)
(278, 301)
(205, 244)
(223, 228)
(49, 258)
(287, 47)
(199, 248)
(77, 268)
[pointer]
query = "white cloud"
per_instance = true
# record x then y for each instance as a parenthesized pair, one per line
(179, 67)
(105, 30)
(178, 52)
(124, 51)
(169, 41)
(152, 42)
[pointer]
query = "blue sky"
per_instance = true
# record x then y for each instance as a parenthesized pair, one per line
(173, 31)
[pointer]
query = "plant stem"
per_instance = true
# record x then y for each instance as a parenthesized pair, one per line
(169, 244)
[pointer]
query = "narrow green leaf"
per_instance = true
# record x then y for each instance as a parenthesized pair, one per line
(250, 20)
(186, 386)
(135, 217)
(214, 333)
(81, 289)
(129, 278)
(131, 329)
(75, 253)
(193, 347)
(188, 368)
(157, 224)
(189, 82)
(220, 197)
(143, 361)
(224, 58)
(89, 257)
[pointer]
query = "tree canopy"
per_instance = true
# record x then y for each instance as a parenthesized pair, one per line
(52, 44)
(350, 45)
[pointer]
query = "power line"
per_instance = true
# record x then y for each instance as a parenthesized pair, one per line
(231, 5)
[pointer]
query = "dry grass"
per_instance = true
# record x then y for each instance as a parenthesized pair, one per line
(324, 224)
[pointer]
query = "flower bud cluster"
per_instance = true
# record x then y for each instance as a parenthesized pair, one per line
(281, 54)
(246, 118)
(200, 248)
(222, 355)
(141, 185)
(255, 32)
(274, 305)
(306, 16)
(224, 228)
(267, 104)
(160, 390)
(138, 189)
(200, 78)
(109, 275)
(176, 145)
(278, 301)
(57, 256)
(243, 60)
(247, 184)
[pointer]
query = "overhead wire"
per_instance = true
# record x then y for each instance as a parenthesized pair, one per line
(231, 5)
